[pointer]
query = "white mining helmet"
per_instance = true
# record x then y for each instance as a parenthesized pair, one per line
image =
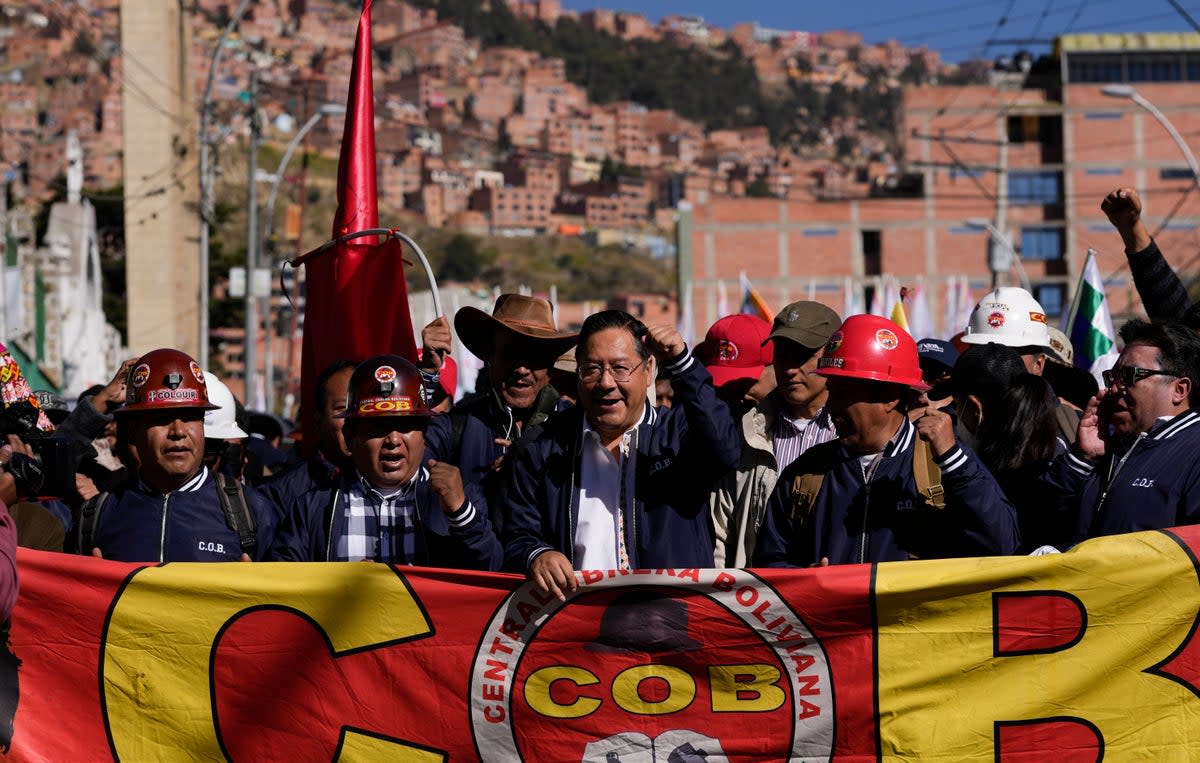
(221, 422)
(1009, 316)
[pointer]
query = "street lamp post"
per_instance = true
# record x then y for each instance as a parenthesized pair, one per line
(996, 264)
(206, 181)
(326, 109)
(1128, 92)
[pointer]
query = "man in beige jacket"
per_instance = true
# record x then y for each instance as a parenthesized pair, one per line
(775, 432)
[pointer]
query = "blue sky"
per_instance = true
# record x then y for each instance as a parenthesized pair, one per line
(958, 29)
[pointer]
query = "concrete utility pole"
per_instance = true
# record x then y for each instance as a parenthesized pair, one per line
(158, 119)
(250, 344)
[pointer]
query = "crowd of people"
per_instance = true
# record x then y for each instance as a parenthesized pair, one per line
(814, 440)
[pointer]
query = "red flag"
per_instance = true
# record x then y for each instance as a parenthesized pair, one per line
(357, 298)
(357, 208)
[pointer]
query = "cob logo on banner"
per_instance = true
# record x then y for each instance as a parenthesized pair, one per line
(661, 676)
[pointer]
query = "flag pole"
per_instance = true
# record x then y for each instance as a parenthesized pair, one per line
(1070, 316)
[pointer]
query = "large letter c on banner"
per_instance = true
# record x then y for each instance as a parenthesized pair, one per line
(163, 625)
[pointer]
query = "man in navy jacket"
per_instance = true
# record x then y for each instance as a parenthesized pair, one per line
(390, 505)
(518, 343)
(1136, 464)
(331, 457)
(171, 512)
(868, 507)
(616, 483)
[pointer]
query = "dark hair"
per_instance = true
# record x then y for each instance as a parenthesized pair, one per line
(1019, 426)
(1178, 349)
(91, 391)
(614, 319)
(326, 375)
(241, 416)
(983, 370)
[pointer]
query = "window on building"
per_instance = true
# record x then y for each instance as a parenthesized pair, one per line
(872, 246)
(1041, 243)
(1095, 68)
(964, 172)
(1023, 128)
(1176, 173)
(1052, 297)
(1037, 187)
(1166, 67)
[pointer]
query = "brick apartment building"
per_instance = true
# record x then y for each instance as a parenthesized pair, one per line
(1036, 161)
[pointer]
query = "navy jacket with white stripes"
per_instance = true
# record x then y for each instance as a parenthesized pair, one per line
(139, 524)
(885, 519)
(681, 454)
(462, 540)
(1152, 485)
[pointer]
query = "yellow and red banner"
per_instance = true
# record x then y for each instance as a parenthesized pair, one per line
(1075, 657)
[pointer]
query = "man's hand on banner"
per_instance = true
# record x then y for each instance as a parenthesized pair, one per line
(551, 572)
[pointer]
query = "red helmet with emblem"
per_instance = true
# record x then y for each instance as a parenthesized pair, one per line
(163, 379)
(874, 348)
(386, 385)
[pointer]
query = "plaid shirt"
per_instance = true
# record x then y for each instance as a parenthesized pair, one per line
(382, 528)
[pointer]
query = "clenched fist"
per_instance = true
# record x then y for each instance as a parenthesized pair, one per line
(1124, 210)
(937, 429)
(446, 482)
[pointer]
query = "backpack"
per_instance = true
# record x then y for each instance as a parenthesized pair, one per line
(814, 464)
(233, 504)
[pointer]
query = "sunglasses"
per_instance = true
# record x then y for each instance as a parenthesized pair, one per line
(1127, 376)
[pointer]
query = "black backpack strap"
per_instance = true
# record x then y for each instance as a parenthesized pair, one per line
(328, 519)
(458, 425)
(89, 517)
(237, 513)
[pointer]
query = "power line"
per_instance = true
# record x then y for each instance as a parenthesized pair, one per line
(1183, 12)
(1037, 27)
(123, 81)
(1075, 17)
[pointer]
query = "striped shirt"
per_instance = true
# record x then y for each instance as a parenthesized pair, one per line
(792, 437)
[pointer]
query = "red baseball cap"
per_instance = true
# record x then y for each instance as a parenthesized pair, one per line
(733, 348)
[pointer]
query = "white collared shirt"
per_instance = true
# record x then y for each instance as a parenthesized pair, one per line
(596, 541)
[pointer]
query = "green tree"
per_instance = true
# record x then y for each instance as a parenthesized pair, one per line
(758, 188)
(463, 260)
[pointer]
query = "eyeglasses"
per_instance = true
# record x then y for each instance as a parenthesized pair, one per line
(591, 372)
(1127, 376)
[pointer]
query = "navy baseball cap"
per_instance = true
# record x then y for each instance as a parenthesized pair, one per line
(937, 351)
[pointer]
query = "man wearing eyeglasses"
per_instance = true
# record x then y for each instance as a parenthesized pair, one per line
(1136, 465)
(615, 483)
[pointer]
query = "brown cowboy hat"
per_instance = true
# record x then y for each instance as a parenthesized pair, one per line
(527, 317)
